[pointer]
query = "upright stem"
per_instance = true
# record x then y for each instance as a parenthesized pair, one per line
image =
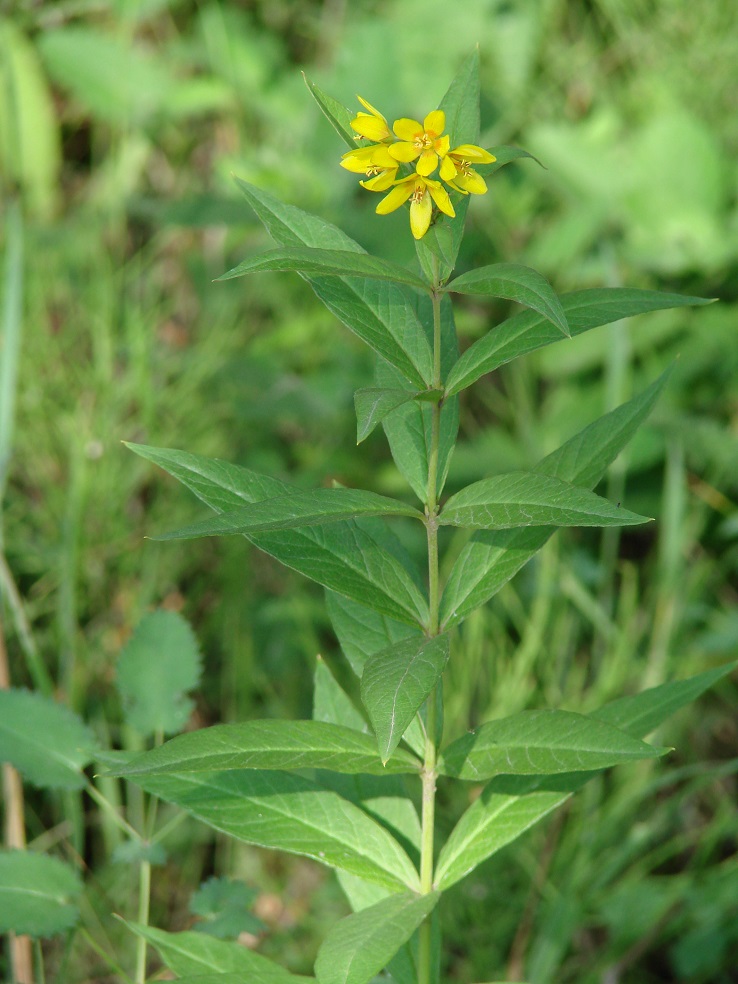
(428, 775)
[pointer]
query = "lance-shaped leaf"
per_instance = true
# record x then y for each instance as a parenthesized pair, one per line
(335, 112)
(269, 745)
(372, 406)
(44, 740)
(510, 805)
(331, 703)
(382, 314)
(362, 632)
(531, 499)
(504, 155)
(192, 954)
(396, 682)
(541, 743)
(290, 813)
(326, 263)
(361, 945)
(490, 559)
(349, 556)
(515, 283)
(299, 509)
(38, 894)
(528, 330)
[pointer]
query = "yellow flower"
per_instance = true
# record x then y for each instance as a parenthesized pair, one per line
(458, 173)
(375, 163)
(422, 192)
(421, 141)
(371, 125)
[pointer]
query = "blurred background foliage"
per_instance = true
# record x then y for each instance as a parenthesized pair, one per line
(121, 124)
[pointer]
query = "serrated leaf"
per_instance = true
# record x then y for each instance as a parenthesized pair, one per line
(295, 511)
(44, 740)
(326, 263)
(541, 743)
(490, 559)
(361, 945)
(515, 283)
(373, 405)
(290, 813)
(158, 666)
(192, 954)
(268, 745)
(510, 805)
(336, 113)
(409, 429)
(381, 314)
(531, 499)
(528, 330)
(395, 684)
(223, 905)
(349, 556)
(38, 894)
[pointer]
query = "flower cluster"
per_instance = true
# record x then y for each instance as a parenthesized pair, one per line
(427, 147)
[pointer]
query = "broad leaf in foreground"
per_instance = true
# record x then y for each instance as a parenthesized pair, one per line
(528, 330)
(541, 743)
(510, 805)
(289, 813)
(195, 954)
(44, 740)
(490, 559)
(295, 511)
(269, 745)
(361, 945)
(38, 894)
(531, 499)
(395, 684)
(346, 556)
(515, 283)
(326, 262)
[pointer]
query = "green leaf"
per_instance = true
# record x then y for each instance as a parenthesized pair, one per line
(504, 155)
(461, 103)
(194, 954)
(510, 805)
(490, 559)
(38, 894)
(396, 682)
(515, 283)
(290, 813)
(361, 945)
(363, 632)
(381, 314)
(443, 241)
(337, 114)
(159, 664)
(374, 404)
(295, 511)
(268, 745)
(326, 263)
(348, 557)
(331, 703)
(44, 740)
(409, 428)
(531, 499)
(528, 330)
(541, 743)
(223, 906)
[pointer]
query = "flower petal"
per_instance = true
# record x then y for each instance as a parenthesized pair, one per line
(427, 163)
(381, 156)
(448, 169)
(470, 152)
(372, 110)
(370, 127)
(407, 129)
(474, 183)
(403, 151)
(440, 197)
(381, 182)
(442, 145)
(420, 216)
(434, 122)
(398, 196)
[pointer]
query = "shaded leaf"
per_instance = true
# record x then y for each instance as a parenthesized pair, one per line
(38, 894)
(331, 703)
(223, 906)
(373, 405)
(361, 945)
(337, 114)
(395, 684)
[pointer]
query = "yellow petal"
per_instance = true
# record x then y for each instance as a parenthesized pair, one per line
(456, 187)
(440, 197)
(407, 129)
(427, 163)
(442, 146)
(448, 169)
(420, 216)
(470, 152)
(381, 182)
(434, 122)
(381, 156)
(403, 151)
(398, 196)
(360, 153)
(370, 127)
(372, 110)
(474, 183)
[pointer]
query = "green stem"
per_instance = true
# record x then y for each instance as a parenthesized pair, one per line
(428, 774)
(144, 894)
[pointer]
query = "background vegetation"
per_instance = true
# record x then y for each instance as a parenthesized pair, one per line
(121, 122)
